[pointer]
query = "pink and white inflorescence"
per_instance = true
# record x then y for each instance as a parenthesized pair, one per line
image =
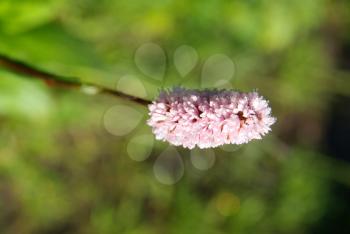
(209, 118)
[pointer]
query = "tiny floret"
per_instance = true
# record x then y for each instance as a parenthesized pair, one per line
(209, 118)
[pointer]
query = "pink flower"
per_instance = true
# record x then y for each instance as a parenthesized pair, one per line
(209, 118)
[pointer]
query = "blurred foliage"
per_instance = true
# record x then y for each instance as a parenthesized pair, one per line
(62, 172)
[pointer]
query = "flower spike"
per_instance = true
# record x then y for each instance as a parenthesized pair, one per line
(209, 118)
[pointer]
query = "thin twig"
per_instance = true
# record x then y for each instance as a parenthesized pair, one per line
(22, 68)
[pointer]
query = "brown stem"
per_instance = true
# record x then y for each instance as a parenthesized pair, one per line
(61, 81)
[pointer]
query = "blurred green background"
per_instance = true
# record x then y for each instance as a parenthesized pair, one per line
(62, 171)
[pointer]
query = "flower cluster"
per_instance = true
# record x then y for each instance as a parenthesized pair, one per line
(209, 118)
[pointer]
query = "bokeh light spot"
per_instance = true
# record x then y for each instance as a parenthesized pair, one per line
(185, 59)
(140, 147)
(217, 67)
(227, 203)
(131, 85)
(151, 60)
(169, 168)
(202, 159)
(120, 120)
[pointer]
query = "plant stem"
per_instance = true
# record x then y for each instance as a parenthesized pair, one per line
(22, 68)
